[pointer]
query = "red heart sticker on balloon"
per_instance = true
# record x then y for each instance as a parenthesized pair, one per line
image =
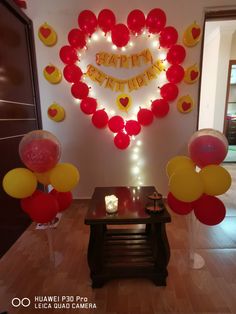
(124, 101)
(45, 32)
(196, 32)
(186, 105)
(52, 112)
(193, 75)
(50, 69)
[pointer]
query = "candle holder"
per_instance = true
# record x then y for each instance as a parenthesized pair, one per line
(157, 205)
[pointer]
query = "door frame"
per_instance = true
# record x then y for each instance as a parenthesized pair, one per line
(231, 62)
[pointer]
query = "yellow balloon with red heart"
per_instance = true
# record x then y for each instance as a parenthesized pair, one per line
(124, 102)
(185, 104)
(56, 112)
(47, 35)
(52, 74)
(192, 35)
(191, 74)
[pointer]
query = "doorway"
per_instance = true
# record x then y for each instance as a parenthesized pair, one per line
(215, 110)
(230, 121)
(218, 91)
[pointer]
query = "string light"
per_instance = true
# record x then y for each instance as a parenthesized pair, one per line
(155, 44)
(135, 170)
(136, 160)
(95, 37)
(134, 157)
(163, 56)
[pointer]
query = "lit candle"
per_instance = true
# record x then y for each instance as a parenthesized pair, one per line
(111, 202)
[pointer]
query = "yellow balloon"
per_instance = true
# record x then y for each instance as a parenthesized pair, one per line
(43, 177)
(19, 183)
(216, 179)
(192, 35)
(179, 162)
(64, 177)
(47, 35)
(56, 112)
(52, 74)
(186, 185)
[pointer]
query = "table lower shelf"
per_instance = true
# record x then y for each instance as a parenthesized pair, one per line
(124, 247)
(122, 253)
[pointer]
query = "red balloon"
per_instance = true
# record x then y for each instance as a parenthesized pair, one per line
(156, 21)
(79, 90)
(40, 154)
(175, 73)
(136, 21)
(168, 37)
(160, 108)
(145, 117)
(76, 38)
(176, 54)
(68, 55)
(122, 140)
(116, 124)
(87, 21)
(132, 127)
(207, 150)
(72, 73)
(179, 207)
(88, 105)
(64, 199)
(209, 210)
(106, 20)
(100, 119)
(169, 91)
(26, 202)
(120, 35)
(40, 206)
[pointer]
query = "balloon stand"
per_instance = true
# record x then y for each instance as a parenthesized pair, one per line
(196, 261)
(54, 257)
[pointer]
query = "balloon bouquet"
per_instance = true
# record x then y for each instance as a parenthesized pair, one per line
(194, 188)
(40, 152)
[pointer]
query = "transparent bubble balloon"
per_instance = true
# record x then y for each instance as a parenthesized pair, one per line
(40, 150)
(207, 146)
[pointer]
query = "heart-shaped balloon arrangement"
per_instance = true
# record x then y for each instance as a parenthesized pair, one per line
(120, 37)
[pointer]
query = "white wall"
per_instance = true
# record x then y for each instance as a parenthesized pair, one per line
(99, 161)
(233, 47)
(209, 76)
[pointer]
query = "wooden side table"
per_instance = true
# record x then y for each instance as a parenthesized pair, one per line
(131, 252)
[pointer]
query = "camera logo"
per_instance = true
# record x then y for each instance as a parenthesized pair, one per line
(16, 302)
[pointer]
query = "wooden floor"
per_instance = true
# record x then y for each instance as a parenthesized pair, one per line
(26, 271)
